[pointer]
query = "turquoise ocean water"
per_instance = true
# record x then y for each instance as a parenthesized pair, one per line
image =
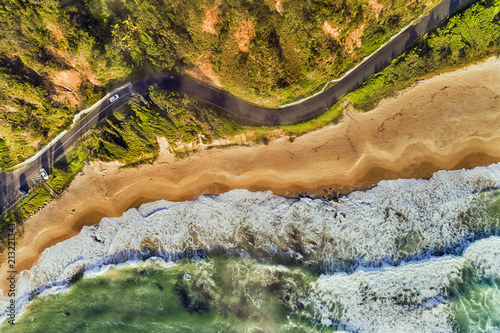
(405, 256)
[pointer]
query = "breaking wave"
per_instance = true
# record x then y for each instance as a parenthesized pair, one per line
(390, 257)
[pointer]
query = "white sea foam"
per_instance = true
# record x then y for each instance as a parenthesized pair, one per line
(401, 299)
(412, 297)
(485, 257)
(103, 270)
(395, 219)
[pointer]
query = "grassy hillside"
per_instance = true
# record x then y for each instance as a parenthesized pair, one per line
(129, 134)
(49, 70)
(59, 56)
(466, 37)
(267, 51)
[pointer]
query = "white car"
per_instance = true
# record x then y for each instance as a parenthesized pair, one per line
(44, 173)
(114, 98)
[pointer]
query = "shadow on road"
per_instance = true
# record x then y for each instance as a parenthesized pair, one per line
(413, 36)
(3, 192)
(46, 160)
(57, 150)
(432, 21)
(23, 183)
(102, 115)
(245, 112)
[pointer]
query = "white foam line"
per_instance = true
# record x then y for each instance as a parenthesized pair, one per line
(365, 225)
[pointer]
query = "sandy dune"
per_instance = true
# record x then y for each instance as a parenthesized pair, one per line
(450, 121)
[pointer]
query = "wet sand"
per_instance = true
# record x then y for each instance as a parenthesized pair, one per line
(450, 121)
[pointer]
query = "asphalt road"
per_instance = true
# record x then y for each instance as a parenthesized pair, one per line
(28, 175)
(314, 106)
(25, 177)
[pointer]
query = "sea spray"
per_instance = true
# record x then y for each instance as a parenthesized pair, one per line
(394, 222)
(234, 294)
(413, 297)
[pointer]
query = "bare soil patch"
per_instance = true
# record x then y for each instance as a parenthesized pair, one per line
(204, 70)
(331, 32)
(354, 39)
(76, 63)
(376, 6)
(210, 20)
(278, 6)
(56, 31)
(244, 35)
(66, 85)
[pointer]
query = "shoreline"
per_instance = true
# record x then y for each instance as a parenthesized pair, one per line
(446, 122)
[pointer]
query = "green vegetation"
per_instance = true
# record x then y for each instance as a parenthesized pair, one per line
(331, 115)
(256, 51)
(5, 161)
(46, 69)
(37, 197)
(65, 170)
(129, 134)
(57, 57)
(466, 37)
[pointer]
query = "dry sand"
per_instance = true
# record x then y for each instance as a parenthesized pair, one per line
(450, 121)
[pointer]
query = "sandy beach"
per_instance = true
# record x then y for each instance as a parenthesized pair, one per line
(450, 121)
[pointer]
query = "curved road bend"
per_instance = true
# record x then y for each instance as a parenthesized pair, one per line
(28, 175)
(311, 107)
(307, 109)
